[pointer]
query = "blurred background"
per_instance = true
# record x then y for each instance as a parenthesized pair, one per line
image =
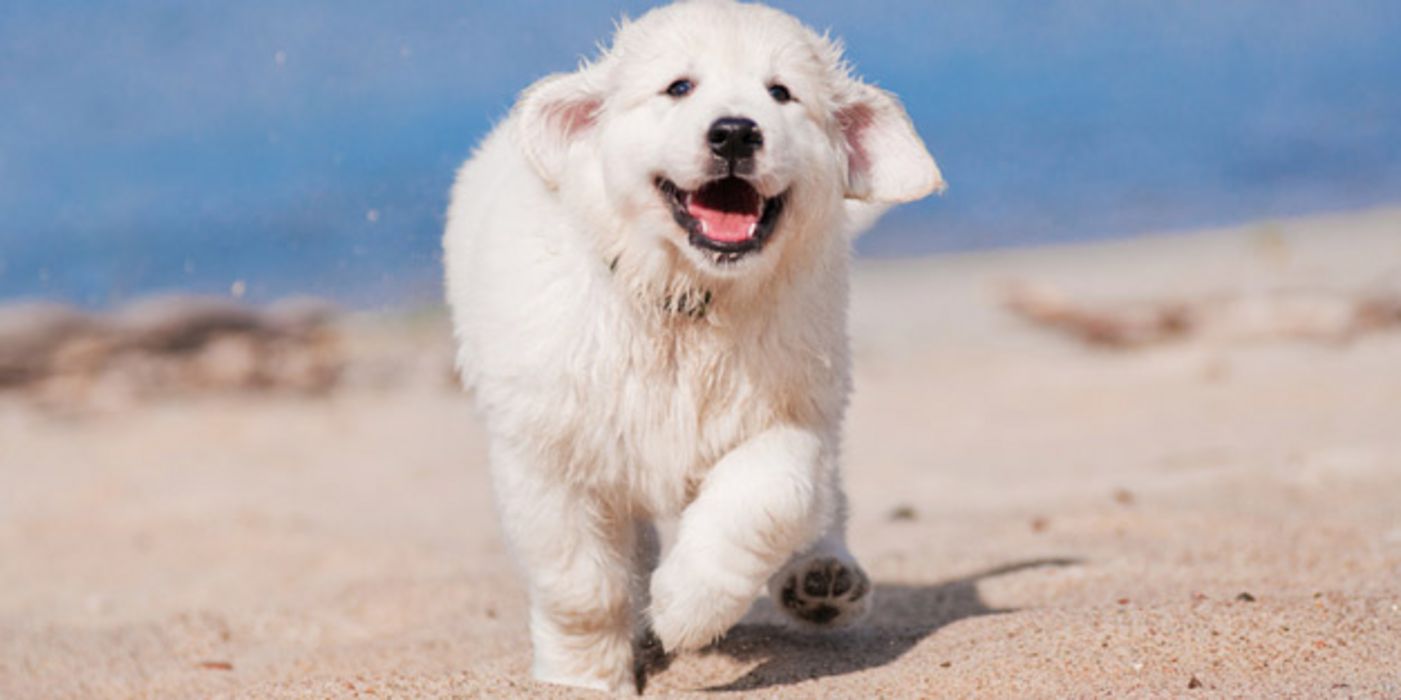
(276, 148)
(1081, 458)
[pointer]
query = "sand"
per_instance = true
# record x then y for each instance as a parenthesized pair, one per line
(1213, 515)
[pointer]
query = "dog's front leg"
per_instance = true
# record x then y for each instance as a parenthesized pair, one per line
(762, 502)
(823, 587)
(579, 556)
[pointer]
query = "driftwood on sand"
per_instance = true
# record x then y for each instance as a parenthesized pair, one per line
(1320, 316)
(169, 344)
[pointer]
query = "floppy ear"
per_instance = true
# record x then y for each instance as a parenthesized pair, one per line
(886, 160)
(552, 115)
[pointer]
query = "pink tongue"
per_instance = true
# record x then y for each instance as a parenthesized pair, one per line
(723, 226)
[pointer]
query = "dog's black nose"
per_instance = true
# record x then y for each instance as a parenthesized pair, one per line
(733, 138)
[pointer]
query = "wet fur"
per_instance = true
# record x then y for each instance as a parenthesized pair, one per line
(624, 376)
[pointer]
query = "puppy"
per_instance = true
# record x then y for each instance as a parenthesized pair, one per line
(647, 269)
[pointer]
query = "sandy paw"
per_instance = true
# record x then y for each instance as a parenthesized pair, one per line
(823, 591)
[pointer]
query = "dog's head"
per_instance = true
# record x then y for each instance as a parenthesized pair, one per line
(720, 132)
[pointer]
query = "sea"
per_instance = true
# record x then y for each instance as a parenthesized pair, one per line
(264, 148)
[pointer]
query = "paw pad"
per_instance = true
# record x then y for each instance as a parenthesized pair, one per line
(824, 591)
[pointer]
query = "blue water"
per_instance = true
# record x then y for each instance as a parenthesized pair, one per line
(307, 147)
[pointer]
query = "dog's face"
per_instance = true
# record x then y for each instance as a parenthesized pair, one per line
(721, 132)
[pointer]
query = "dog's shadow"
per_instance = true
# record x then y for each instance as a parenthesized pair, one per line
(903, 615)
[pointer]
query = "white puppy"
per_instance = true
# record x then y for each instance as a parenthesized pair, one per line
(647, 268)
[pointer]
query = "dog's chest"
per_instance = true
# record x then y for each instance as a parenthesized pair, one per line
(675, 404)
(653, 415)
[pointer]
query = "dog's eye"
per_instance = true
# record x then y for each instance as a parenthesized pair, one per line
(780, 94)
(680, 88)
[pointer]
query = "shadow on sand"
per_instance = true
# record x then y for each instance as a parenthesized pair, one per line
(903, 615)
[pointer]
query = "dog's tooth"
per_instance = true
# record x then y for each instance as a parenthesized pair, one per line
(752, 228)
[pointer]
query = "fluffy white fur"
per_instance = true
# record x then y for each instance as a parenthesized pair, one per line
(625, 375)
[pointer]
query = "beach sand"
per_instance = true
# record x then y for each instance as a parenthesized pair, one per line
(1210, 511)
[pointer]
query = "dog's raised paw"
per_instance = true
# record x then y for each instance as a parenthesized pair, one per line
(823, 591)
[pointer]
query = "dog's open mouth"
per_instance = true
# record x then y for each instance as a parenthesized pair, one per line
(727, 216)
